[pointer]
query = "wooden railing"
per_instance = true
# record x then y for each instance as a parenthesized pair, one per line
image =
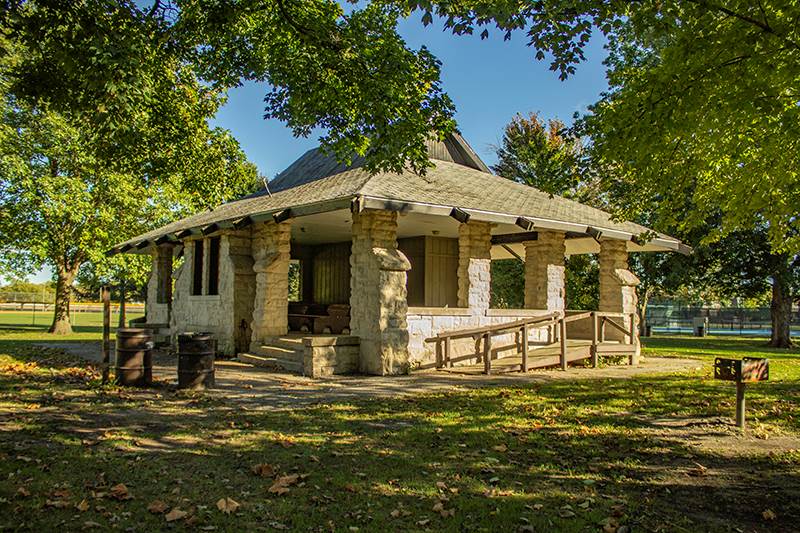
(556, 324)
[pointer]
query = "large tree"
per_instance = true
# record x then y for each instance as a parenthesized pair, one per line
(62, 205)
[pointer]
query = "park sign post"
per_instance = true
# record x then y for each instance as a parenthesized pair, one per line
(748, 369)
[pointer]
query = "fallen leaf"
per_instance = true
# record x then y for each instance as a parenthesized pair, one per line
(58, 504)
(89, 524)
(500, 448)
(314, 458)
(439, 506)
(769, 514)
(83, 505)
(22, 492)
(175, 514)
(157, 507)
(441, 485)
(120, 492)
(424, 522)
(282, 484)
(227, 505)
(263, 470)
(395, 513)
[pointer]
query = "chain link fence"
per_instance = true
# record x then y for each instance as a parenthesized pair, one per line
(721, 320)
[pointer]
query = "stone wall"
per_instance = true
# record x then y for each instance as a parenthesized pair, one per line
(326, 356)
(378, 298)
(425, 322)
(159, 286)
(474, 266)
(271, 256)
(545, 281)
(617, 285)
(220, 314)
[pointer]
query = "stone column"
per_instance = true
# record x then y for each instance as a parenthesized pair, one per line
(159, 286)
(271, 266)
(378, 304)
(475, 266)
(617, 286)
(545, 282)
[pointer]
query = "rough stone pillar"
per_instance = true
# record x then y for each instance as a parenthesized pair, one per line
(617, 285)
(545, 281)
(378, 304)
(475, 266)
(271, 266)
(159, 286)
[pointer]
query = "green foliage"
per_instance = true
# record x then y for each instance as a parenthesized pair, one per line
(542, 155)
(346, 71)
(508, 284)
(583, 282)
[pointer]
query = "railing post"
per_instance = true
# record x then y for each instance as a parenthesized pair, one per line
(439, 353)
(603, 329)
(447, 352)
(595, 327)
(487, 353)
(525, 347)
(563, 326)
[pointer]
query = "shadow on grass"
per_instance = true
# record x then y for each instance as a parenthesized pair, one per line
(500, 458)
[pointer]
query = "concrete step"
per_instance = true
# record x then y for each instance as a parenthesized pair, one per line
(280, 353)
(288, 342)
(272, 363)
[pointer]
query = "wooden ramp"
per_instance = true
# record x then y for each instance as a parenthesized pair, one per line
(558, 351)
(538, 357)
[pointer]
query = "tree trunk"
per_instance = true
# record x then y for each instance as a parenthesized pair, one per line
(642, 309)
(781, 310)
(61, 324)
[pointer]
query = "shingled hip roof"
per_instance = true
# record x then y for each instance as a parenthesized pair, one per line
(317, 183)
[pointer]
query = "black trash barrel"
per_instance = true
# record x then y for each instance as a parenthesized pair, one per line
(196, 360)
(134, 357)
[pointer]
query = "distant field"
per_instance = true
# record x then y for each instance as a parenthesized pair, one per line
(82, 321)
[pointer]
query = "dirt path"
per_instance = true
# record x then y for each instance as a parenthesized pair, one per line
(253, 385)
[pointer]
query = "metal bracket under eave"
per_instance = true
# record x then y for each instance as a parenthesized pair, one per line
(282, 216)
(524, 223)
(460, 215)
(594, 233)
(357, 204)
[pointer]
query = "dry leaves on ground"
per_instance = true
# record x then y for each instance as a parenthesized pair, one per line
(175, 514)
(263, 470)
(157, 507)
(227, 505)
(120, 492)
(282, 484)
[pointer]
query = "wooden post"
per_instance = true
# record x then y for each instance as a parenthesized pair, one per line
(487, 353)
(105, 297)
(595, 327)
(122, 313)
(563, 326)
(447, 355)
(525, 347)
(439, 353)
(740, 405)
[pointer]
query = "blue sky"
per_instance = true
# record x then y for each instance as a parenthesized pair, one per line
(488, 80)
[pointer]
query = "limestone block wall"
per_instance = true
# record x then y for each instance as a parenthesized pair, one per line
(474, 266)
(326, 356)
(617, 283)
(220, 314)
(545, 278)
(271, 256)
(378, 297)
(157, 310)
(425, 322)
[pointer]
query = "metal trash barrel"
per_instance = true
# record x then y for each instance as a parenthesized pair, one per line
(134, 366)
(196, 360)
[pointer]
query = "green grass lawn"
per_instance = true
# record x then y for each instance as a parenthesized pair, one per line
(89, 322)
(565, 455)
